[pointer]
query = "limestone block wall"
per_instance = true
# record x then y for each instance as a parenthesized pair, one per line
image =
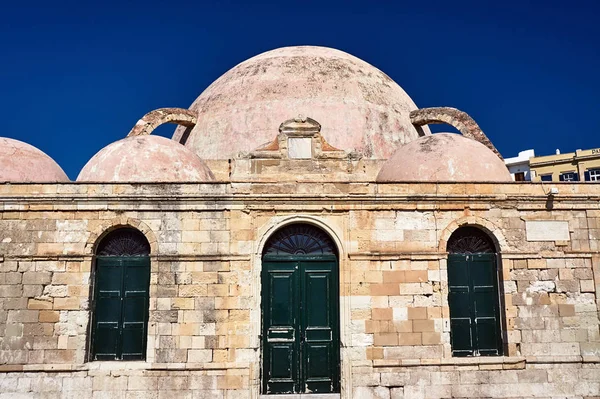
(205, 317)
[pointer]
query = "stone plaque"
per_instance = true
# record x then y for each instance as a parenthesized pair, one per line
(547, 230)
(300, 147)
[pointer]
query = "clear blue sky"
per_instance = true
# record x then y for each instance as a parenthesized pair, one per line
(76, 75)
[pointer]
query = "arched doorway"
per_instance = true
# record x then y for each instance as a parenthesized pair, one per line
(473, 297)
(121, 296)
(300, 312)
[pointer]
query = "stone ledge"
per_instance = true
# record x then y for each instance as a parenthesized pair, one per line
(302, 396)
(562, 359)
(157, 257)
(436, 255)
(121, 366)
(456, 361)
(503, 361)
(433, 255)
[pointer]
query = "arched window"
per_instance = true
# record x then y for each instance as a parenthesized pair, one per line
(473, 294)
(120, 301)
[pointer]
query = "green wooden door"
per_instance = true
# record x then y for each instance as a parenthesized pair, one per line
(300, 298)
(474, 305)
(120, 317)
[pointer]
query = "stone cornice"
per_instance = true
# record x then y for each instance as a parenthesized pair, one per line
(169, 196)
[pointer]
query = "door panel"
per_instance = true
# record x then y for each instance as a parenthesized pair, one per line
(300, 324)
(281, 357)
(319, 327)
(283, 291)
(281, 344)
(317, 294)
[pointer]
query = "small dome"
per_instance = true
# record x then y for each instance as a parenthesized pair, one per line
(444, 157)
(359, 107)
(23, 163)
(145, 159)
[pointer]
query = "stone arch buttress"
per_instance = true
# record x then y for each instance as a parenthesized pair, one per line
(154, 119)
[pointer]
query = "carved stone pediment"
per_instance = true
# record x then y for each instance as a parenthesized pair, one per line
(299, 138)
(300, 126)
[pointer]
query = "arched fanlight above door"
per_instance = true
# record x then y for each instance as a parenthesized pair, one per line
(124, 242)
(300, 239)
(470, 240)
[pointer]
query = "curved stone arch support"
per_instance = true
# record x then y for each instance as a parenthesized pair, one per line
(110, 225)
(154, 119)
(487, 226)
(455, 118)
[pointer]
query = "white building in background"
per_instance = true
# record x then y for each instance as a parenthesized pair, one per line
(519, 166)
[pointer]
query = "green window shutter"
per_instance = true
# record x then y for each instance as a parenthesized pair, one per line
(120, 315)
(135, 307)
(459, 300)
(474, 305)
(107, 310)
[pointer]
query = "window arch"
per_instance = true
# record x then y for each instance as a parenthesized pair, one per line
(121, 296)
(473, 294)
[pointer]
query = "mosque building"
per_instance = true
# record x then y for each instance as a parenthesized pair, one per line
(302, 235)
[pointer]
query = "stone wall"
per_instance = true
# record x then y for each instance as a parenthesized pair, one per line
(206, 240)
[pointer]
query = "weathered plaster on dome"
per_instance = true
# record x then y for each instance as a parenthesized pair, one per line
(145, 159)
(359, 107)
(444, 157)
(22, 162)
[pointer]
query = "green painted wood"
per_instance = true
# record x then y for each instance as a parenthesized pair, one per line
(300, 324)
(474, 305)
(121, 301)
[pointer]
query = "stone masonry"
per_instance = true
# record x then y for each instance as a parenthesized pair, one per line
(205, 318)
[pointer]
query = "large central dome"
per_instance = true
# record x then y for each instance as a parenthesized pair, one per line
(358, 106)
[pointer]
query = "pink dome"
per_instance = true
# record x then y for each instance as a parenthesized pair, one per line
(444, 157)
(358, 106)
(21, 162)
(145, 159)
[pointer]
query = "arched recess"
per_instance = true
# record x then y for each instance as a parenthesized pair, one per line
(103, 229)
(493, 231)
(474, 293)
(154, 119)
(300, 311)
(280, 222)
(120, 296)
(455, 118)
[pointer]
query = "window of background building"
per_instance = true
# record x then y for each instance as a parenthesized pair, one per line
(520, 176)
(569, 176)
(546, 177)
(592, 175)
